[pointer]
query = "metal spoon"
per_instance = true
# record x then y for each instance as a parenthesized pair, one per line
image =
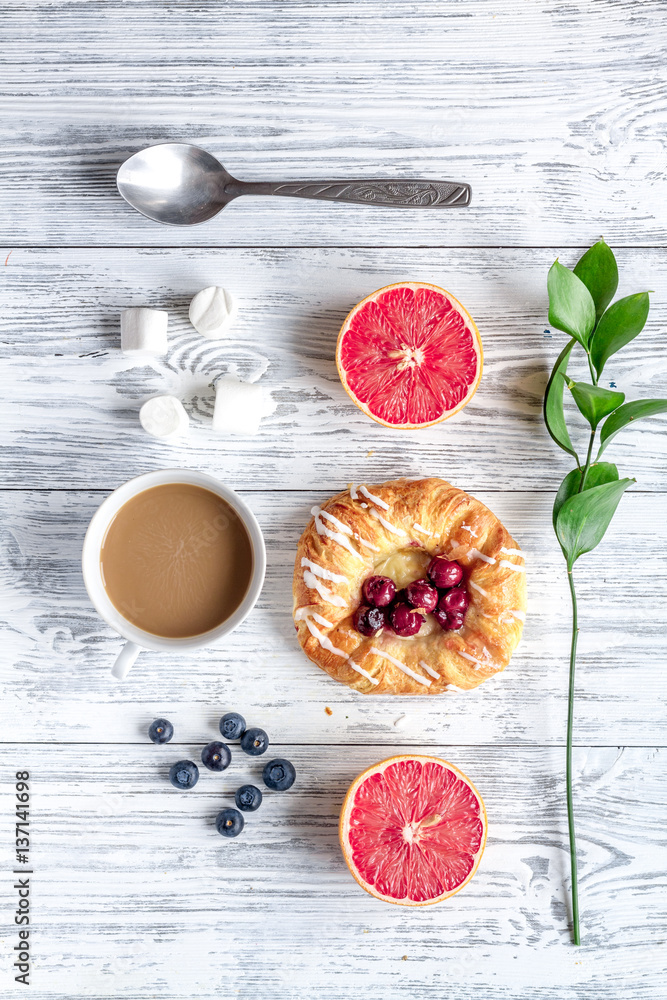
(182, 185)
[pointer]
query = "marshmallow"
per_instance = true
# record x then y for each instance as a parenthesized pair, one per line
(143, 332)
(164, 417)
(212, 311)
(238, 406)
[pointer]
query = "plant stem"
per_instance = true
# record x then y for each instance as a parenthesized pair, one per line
(582, 485)
(568, 769)
(570, 719)
(594, 377)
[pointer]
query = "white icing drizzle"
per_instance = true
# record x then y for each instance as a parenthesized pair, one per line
(326, 574)
(325, 641)
(360, 670)
(335, 536)
(453, 687)
(473, 534)
(512, 552)
(476, 586)
(517, 569)
(373, 498)
(401, 666)
(476, 554)
(369, 545)
(418, 527)
(353, 492)
(302, 613)
(390, 527)
(334, 520)
(327, 644)
(521, 615)
(467, 656)
(478, 663)
(429, 670)
(364, 505)
(313, 583)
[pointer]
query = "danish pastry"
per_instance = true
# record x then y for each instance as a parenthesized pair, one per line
(410, 587)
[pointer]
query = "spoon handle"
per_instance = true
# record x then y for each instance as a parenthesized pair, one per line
(392, 193)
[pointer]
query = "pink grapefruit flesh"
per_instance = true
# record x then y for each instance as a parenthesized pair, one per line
(413, 830)
(409, 355)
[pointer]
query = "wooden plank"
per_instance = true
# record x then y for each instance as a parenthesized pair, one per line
(69, 415)
(58, 652)
(555, 115)
(135, 894)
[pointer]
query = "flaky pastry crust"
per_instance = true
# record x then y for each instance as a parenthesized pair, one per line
(357, 531)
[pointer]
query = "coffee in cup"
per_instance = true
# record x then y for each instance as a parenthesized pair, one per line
(173, 560)
(176, 560)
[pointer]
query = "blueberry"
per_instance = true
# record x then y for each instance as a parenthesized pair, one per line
(184, 774)
(254, 742)
(160, 731)
(279, 774)
(229, 822)
(248, 798)
(232, 726)
(216, 756)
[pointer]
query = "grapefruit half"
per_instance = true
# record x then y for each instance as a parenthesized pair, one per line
(412, 830)
(409, 355)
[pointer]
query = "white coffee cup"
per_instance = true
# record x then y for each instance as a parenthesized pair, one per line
(137, 638)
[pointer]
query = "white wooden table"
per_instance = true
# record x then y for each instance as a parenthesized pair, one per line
(555, 113)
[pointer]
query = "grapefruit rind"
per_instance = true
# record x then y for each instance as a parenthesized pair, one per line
(344, 824)
(470, 324)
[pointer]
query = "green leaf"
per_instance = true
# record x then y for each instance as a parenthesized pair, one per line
(621, 323)
(593, 401)
(625, 414)
(571, 306)
(601, 472)
(583, 519)
(554, 414)
(599, 272)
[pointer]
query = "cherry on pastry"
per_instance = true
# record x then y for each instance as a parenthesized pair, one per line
(404, 620)
(455, 619)
(444, 573)
(455, 599)
(368, 621)
(449, 621)
(422, 594)
(379, 591)
(442, 619)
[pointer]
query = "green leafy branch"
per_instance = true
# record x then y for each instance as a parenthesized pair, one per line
(586, 501)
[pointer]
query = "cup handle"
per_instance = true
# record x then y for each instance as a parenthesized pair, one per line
(124, 660)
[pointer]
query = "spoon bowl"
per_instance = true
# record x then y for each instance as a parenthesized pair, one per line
(174, 183)
(178, 184)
